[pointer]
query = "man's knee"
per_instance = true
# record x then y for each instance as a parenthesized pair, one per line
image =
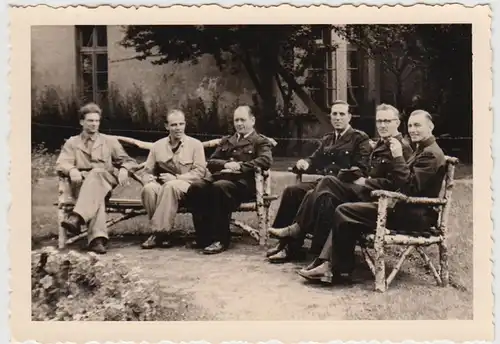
(177, 187)
(342, 210)
(150, 189)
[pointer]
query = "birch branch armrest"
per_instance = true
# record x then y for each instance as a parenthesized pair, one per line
(408, 199)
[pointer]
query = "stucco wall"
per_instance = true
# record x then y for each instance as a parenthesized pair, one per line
(53, 57)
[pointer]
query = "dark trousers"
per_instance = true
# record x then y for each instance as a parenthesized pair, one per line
(211, 204)
(351, 221)
(316, 210)
(291, 200)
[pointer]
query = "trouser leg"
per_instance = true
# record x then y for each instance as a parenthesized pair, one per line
(351, 221)
(227, 196)
(97, 225)
(290, 202)
(169, 196)
(149, 197)
(93, 191)
(200, 204)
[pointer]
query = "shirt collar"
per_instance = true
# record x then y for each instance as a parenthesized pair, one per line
(343, 132)
(246, 135)
(181, 141)
(86, 137)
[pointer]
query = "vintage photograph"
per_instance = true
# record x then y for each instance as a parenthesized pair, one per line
(254, 171)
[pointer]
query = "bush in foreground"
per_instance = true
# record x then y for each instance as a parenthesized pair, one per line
(76, 286)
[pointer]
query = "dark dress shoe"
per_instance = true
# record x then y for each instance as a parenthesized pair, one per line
(272, 251)
(73, 224)
(97, 245)
(156, 240)
(216, 247)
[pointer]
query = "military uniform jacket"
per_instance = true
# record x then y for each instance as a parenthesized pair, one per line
(106, 153)
(383, 168)
(252, 151)
(332, 155)
(422, 175)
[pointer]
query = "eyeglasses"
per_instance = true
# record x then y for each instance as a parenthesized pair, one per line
(384, 121)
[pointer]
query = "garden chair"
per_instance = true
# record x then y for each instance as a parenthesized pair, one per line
(130, 208)
(383, 237)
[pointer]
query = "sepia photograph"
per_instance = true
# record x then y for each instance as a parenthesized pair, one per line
(254, 171)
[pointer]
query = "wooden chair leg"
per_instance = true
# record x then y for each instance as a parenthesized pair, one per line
(62, 237)
(262, 219)
(443, 262)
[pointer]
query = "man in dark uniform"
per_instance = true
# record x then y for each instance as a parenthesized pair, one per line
(421, 175)
(345, 147)
(316, 209)
(232, 166)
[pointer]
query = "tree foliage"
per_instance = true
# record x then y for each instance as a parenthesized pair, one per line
(268, 53)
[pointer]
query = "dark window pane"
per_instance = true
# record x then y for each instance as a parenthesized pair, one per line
(317, 32)
(86, 63)
(102, 81)
(87, 97)
(102, 36)
(86, 35)
(353, 59)
(102, 63)
(318, 60)
(102, 98)
(87, 83)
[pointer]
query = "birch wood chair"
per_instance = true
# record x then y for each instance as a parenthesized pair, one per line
(130, 208)
(383, 237)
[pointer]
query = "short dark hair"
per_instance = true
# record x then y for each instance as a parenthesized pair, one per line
(89, 108)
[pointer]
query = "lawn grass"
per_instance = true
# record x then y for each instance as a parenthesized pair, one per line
(413, 295)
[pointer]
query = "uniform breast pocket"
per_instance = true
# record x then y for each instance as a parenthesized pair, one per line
(247, 153)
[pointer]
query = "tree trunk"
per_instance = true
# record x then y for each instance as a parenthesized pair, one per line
(322, 116)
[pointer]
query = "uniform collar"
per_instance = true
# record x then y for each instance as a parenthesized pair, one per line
(343, 132)
(238, 135)
(425, 143)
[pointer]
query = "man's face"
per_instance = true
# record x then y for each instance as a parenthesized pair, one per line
(243, 122)
(340, 116)
(90, 124)
(387, 123)
(419, 127)
(176, 125)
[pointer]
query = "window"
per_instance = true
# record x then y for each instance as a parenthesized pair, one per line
(355, 85)
(320, 76)
(93, 63)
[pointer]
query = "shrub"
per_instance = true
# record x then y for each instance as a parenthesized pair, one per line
(42, 163)
(75, 286)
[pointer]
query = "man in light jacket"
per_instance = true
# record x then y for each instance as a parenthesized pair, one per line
(95, 164)
(172, 165)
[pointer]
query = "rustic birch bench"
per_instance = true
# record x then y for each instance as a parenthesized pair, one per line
(130, 208)
(383, 237)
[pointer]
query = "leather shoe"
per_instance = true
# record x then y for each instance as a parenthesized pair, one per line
(216, 247)
(272, 251)
(289, 231)
(279, 257)
(316, 273)
(97, 246)
(315, 263)
(73, 224)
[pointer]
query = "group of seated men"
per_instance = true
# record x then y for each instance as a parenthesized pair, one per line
(336, 208)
